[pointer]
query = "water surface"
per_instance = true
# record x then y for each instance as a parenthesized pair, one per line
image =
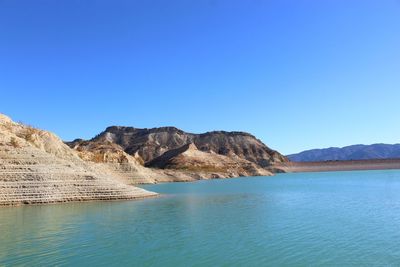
(308, 219)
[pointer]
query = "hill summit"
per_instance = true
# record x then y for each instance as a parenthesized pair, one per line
(208, 155)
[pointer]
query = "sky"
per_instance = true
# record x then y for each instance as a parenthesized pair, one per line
(297, 74)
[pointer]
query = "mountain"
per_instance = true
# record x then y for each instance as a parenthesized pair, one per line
(37, 167)
(182, 155)
(188, 157)
(354, 152)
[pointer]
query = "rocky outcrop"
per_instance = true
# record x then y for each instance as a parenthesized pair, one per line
(189, 158)
(173, 154)
(149, 144)
(37, 167)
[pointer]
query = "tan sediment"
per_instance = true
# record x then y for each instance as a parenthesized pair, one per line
(185, 163)
(36, 167)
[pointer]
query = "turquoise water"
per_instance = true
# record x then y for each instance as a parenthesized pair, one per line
(309, 219)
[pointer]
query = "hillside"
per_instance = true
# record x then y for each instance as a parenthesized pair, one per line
(354, 152)
(189, 158)
(37, 167)
(210, 155)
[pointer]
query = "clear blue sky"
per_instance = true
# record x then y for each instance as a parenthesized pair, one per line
(297, 74)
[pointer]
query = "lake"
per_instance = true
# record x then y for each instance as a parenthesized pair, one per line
(303, 219)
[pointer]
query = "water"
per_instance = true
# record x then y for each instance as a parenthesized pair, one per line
(309, 219)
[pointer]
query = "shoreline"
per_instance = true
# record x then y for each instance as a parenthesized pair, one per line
(345, 165)
(61, 202)
(289, 167)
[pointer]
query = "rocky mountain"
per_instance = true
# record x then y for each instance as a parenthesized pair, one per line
(354, 152)
(208, 155)
(189, 158)
(152, 143)
(37, 167)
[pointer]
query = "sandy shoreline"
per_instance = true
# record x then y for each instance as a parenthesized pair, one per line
(350, 165)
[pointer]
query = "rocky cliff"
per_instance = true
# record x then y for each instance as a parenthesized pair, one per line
(173, 153)
(189, 158)
(37, 167)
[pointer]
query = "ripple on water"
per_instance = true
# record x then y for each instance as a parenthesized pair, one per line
(317, 219)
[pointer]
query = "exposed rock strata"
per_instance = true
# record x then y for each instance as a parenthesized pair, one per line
(152, 143)
(37, 167)
(177, 155)
(189, 158)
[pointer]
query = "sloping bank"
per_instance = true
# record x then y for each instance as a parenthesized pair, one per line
(37, 167)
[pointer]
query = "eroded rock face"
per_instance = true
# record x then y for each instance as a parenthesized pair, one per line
(152, 143)
(182, 155)
(240, 144)
(189, 158)
(37, 167)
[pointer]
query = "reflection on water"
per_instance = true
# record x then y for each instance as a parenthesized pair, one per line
(341, 218)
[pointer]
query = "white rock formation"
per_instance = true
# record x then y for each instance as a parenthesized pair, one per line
(37, 167)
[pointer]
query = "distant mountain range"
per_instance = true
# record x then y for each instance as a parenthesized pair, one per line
(354, 152)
